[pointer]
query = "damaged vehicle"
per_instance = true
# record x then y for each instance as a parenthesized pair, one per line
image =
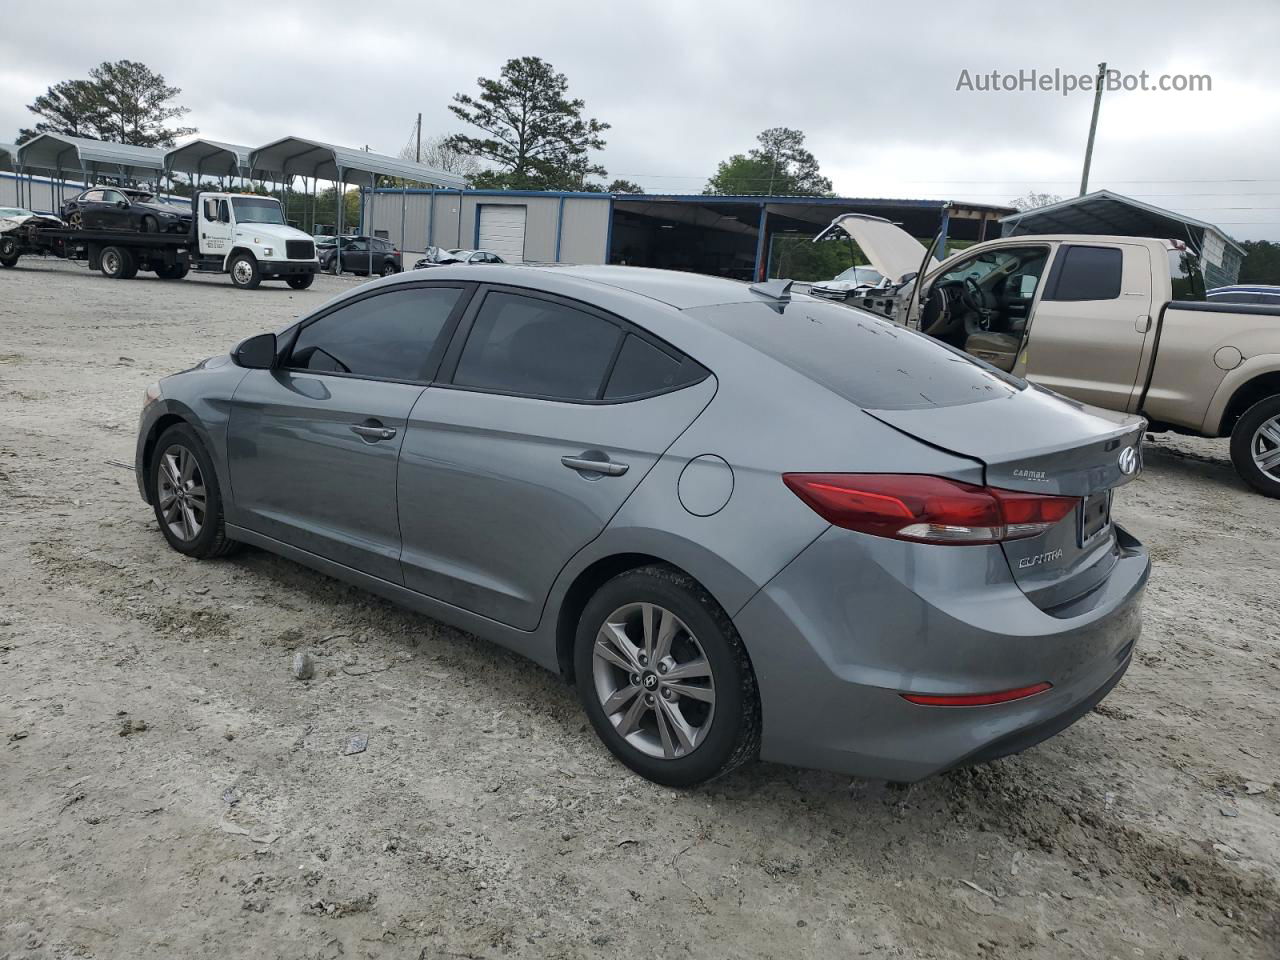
(15, 226)
(1115, 321)
(124, 208)
(848, 283)
(743, 523)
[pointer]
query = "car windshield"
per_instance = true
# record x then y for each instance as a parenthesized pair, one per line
(253, 210)
(861, 275)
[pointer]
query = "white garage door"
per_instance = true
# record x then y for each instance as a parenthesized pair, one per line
(502, 230)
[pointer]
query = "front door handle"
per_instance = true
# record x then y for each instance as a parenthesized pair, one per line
(608, 468)
(373, 433)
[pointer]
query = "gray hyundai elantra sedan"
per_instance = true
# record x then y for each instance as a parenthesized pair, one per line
(743, 523)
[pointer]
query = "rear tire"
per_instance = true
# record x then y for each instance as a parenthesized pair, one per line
(301, 281)
(714, 694)
(118, 263)
(244, 271)
(185, 495)
(75, 220)
(389, 269)
(1255, 446)
(9, 252)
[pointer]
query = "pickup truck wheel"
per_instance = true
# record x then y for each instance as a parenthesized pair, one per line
(1255, 446)
(244, 272)
(301, 281)
(118, 264)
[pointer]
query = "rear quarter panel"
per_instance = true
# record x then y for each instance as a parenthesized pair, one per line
(1188, 387)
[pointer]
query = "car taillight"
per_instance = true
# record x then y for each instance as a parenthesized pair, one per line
(927, 509)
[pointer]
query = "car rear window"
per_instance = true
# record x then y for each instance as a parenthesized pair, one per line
(871, 362)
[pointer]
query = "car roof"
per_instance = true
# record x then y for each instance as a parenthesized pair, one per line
(674, 288)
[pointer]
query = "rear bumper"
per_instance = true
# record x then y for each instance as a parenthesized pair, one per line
(855, 621)
(287, 268)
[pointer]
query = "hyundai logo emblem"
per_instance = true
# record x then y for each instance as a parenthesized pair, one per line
(1129, 461)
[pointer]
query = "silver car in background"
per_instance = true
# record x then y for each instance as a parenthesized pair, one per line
(743, 523)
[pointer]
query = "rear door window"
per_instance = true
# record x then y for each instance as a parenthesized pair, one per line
(1086, 273)
(390, 336)
(538, 348)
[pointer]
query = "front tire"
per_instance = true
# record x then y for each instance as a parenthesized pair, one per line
(244, 271)
(9, 252)
(150, 225)
(665, 679)
(301, 281)
(1255, 446)
(186, 497)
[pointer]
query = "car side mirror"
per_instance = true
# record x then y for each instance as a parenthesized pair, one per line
(256, 353)
(122, 204)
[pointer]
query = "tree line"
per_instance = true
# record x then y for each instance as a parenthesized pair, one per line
(528, 134)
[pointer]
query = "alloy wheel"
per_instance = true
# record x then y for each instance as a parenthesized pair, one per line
(1265, 447)
(653, 680)
(181, 492)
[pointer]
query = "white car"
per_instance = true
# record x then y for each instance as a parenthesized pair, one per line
(845, 284)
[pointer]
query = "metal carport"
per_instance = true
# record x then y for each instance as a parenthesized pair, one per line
(291, 157)
(208, 158)
(56, 153)
(1105, 212)
(730, 235)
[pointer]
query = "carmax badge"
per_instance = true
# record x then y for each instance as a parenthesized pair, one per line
(1129, 461)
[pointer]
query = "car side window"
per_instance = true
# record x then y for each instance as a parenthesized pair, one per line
(93, 196)
(643, 369)
(1087, 273)
(389, 335)
(112, 196)
(538, 348)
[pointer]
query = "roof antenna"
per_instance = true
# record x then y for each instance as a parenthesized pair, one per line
(773, 289)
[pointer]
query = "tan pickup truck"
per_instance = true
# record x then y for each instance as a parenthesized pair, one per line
(1119, 322)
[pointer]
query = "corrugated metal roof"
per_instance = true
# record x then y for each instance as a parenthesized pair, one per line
(299, 157)
(57, 151)
(1105, 212)
(212, 157)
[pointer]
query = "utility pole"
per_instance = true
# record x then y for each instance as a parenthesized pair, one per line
(1093, 127)
(417, 153)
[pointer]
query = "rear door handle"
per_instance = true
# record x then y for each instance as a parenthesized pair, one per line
(373, 433)
(608, 468)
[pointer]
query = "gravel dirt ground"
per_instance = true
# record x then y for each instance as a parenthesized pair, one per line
(168, 789)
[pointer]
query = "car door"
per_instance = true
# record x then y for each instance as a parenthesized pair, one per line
(90, 205)
(113, 216)
(546, 416)
(313, 445)
(1090, 325)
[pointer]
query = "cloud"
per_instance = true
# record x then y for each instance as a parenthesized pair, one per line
(686, 84)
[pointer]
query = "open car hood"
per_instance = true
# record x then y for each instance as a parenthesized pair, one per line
(891, 250)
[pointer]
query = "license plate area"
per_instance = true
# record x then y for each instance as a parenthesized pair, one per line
(1095, 517)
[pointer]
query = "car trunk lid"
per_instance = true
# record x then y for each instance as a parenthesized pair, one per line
(1039, 442)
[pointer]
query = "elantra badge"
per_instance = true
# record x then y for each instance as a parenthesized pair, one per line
(1129, 461)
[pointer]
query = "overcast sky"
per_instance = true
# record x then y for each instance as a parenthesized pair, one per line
(686, 83)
